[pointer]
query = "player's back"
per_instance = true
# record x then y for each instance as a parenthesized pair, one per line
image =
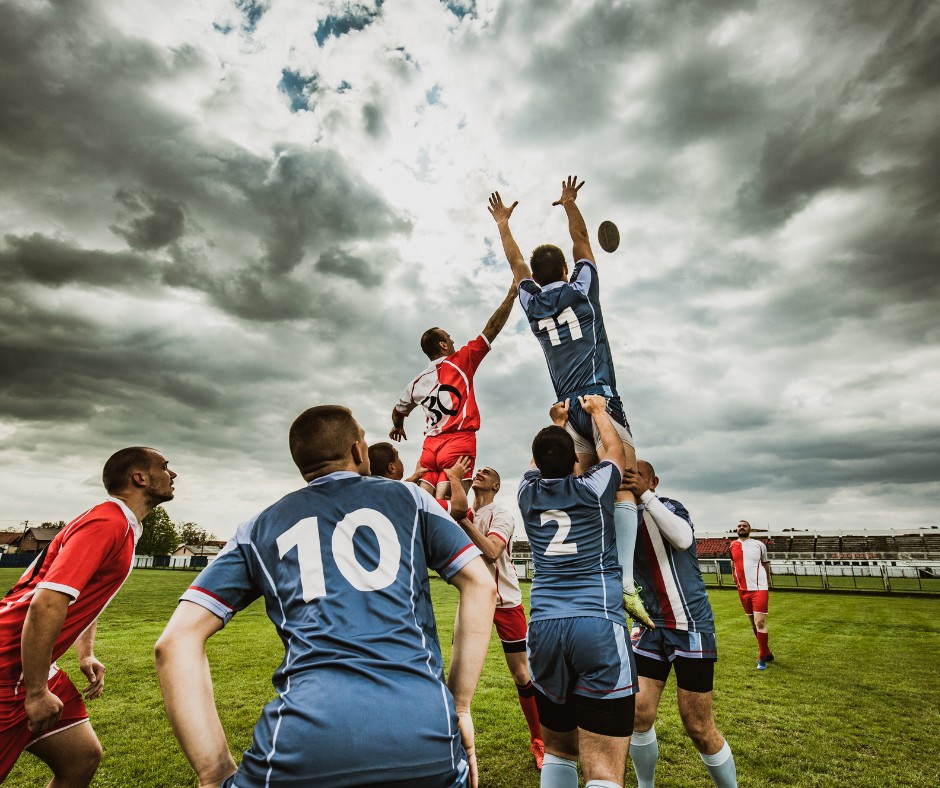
(343, 568)
(567, 320)
(569, 523)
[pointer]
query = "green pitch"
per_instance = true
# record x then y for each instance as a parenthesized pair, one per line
(852, 700)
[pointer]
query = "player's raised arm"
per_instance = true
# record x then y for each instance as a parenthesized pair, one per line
(576, 226)
(186, 683)
(498, 319)
(596, 406)
(501, 214)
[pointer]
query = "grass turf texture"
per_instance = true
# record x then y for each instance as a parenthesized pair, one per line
(852, 699)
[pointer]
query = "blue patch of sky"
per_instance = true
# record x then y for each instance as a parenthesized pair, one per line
(297, 88)
(433, 96)
(343, 87)
(355, 17)
(223, 29)
(461, 8)
(489, 259)
(253, 11)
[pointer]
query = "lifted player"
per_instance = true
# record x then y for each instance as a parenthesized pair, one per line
(684, 638)
(445, 391)
(491, 531)
(751, 575)
(565, 316)
(578, 644)
(362, 660)
(56, 603)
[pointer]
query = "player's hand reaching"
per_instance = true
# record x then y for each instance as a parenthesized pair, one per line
(499, 211)
(569, 191)
(559, 413)
(398, 434)
(465, 724)
(94, 672)
(45, 709)
(456, 472)
(634, 483)
(593, 404)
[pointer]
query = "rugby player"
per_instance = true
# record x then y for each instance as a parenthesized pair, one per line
(751, 569)
(565, 316)
(445, 391)
(342, 565)
(385, 462)
(579, 651)
(55, 604)
(491, 531)
(666, 564)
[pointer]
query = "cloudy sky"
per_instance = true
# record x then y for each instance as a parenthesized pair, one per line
(217, 214)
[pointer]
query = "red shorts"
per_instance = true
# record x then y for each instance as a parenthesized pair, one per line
(442, 451)
(511, 628)
(16, 736)
(754, 601)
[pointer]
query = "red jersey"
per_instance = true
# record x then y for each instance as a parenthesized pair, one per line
(89, 560)
(445, 390)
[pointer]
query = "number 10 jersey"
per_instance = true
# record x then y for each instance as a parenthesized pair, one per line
(342, 566)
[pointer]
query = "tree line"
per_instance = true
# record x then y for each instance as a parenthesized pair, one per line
(161, 536)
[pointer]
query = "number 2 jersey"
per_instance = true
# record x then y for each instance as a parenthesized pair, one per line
(569, 523)
(445, 390)
(342, 566)
(566, 319)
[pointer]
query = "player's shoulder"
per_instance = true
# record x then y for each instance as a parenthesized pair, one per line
(109, 514)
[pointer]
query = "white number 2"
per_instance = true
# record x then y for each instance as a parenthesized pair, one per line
(305, 536)
(569, 317)
(558, 546)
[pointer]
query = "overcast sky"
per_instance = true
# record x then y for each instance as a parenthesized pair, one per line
(217, 214)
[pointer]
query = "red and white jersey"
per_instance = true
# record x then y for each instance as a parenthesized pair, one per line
(747, 557)
(495, 520)
(445, 390)
(88, 560)
(449, 509)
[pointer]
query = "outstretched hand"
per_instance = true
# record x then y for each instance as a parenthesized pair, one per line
(499, 211)
(397, 434)
(569, 191)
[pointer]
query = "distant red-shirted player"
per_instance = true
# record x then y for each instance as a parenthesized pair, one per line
(445, 391)
(56, 603)
(751, 573)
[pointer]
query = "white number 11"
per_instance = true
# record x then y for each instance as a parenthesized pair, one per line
(569, 317)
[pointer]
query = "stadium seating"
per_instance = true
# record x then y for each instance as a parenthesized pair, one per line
(827, 544)
(778, 546)
(932, 544)
(883, 545)
(803, 544)
(712, 548)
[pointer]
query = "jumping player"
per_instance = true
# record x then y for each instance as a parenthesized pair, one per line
(751, 573)
(342, 565)
(666, 564)
(491, 531)
(565, 316)
(578, 643)
(55, 604)
(445, 391)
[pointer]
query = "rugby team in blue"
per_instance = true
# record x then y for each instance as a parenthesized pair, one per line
(342, 568)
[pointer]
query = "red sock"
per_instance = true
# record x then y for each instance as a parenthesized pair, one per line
(762, 642)
(527, 701)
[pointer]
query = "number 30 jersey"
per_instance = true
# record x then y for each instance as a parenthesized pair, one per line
(342, 566)
(566, 319)
(570, 526)
(445, 390)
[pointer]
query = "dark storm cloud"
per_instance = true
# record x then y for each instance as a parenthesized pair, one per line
(348, 266)
(163, 226)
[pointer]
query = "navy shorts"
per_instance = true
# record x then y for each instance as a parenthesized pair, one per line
(581, 656)
(667, 644)
(457, 778)
(581, 426)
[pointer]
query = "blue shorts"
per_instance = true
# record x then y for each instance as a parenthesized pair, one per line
(581, 426)
(667, 644)
(581, 656)
(453, 779)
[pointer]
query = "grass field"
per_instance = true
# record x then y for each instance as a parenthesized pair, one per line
(852, 700)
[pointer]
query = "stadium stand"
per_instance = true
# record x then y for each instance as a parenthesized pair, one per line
(803, 544)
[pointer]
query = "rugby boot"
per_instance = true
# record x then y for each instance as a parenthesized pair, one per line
(634, 607)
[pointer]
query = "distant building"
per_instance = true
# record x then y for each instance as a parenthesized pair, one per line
(189, 550)
(35, 540)
(8, 540)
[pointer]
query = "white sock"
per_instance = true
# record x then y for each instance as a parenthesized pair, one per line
(559, 772)
(721, 767)
(625, 528)
(602, 784)
(644, 752)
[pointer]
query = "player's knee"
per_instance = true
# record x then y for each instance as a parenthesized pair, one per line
(520, 674)
(700, 731)
(85, 763)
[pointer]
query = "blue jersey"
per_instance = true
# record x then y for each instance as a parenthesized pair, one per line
(342, 566)
(567, 321)
(673, 593)
(570, 526)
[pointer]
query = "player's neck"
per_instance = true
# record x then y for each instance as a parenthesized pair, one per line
(744, 538)
(136, 503)
(482, 498)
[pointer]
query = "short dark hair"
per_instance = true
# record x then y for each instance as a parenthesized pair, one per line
(745, 522)
(496, 474)
(553, 451)
(321, 436)
(381, 455)
(431, 342)
(548, 264)
(121, 465)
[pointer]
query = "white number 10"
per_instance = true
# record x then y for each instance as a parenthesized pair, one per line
(569, 317)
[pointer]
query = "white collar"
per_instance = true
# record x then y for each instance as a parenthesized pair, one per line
(554, 285)
(332, 477)
(131, 517)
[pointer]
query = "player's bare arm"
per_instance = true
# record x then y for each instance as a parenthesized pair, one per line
(559, 413)
(596, 406)
(491, 546)
(498, 319)
(44, 620)
(398, 426)
(501, 214)
(471, 641)
(576, 226)
(186, 684)
(420, 470)
(459, 505)
(92, 669)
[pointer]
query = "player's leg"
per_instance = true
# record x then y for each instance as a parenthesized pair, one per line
(454, 446)
(695, 679)
(759, 605)
(429, 462)
(13, 739)
(73, 754)
(511, 628)
(652, 667)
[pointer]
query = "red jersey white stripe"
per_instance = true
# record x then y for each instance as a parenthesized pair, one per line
(748, 557)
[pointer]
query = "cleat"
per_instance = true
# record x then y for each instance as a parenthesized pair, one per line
(634, 607)
(761, 664)
(769, 658)
(537, 748)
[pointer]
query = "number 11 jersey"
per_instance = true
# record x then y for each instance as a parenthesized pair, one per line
(342, 566)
